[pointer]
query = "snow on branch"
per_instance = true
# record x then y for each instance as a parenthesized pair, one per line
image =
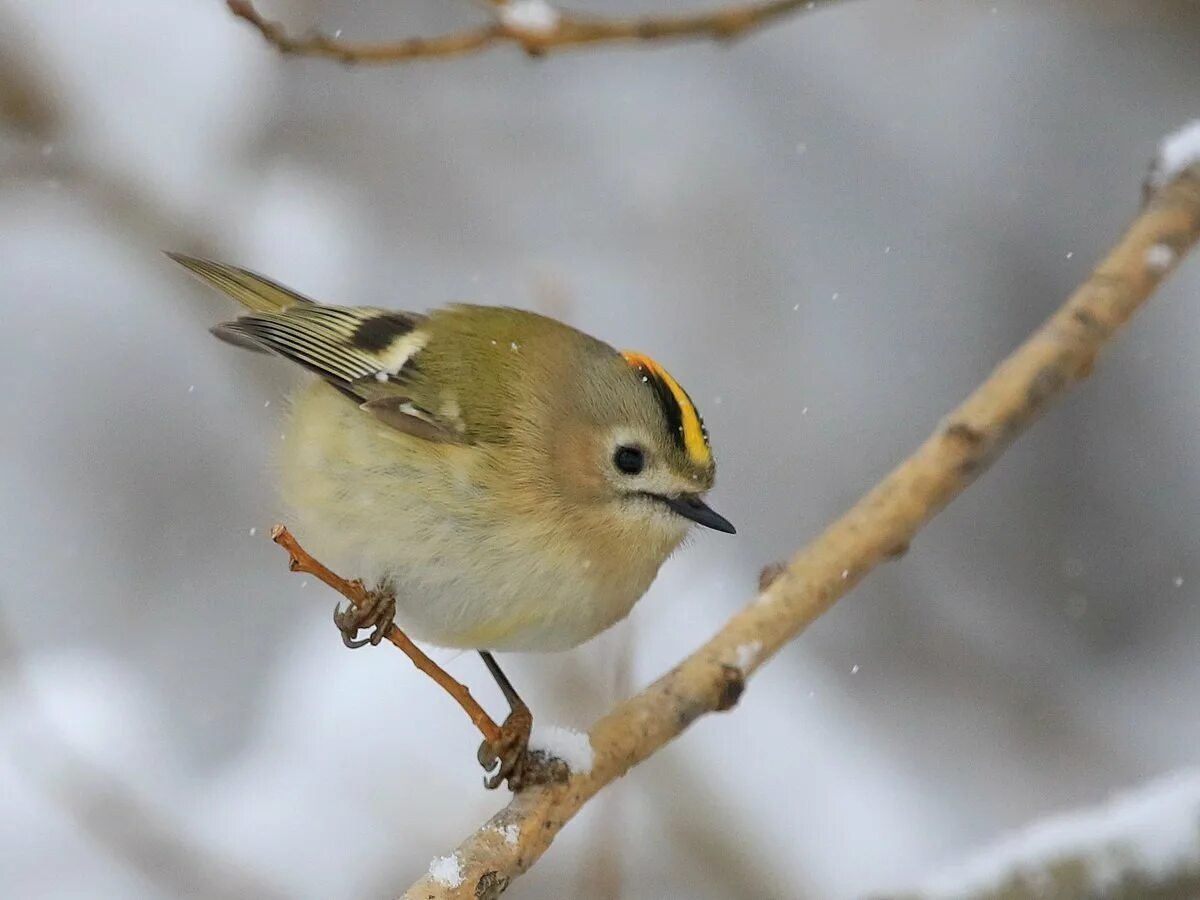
(1178, 151)
(536, 26)
(878, 528)
(1142, 844)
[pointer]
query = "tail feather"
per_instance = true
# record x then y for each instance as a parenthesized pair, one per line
(253, 291)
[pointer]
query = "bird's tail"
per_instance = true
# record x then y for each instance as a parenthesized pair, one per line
(253, 291)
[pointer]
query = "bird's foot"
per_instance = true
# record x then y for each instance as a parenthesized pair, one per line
(377, 613)
(509, 753)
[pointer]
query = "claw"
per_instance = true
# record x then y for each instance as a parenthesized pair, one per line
(378, 615)
(508, 755)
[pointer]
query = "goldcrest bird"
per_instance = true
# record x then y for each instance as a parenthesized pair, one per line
(513, 482)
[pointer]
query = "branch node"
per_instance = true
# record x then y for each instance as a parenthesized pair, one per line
(960, 431)
(770, 574)
(733, 684)
(490, 885)
(543, 768)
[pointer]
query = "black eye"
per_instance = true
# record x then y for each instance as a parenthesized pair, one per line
(629, 460)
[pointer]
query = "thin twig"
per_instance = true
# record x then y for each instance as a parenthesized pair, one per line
(877, 528)
(535, 26)
(354, 591)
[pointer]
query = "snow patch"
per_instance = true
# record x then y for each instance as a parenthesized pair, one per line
(446, 870)
(746, 654)
(1160, 257)
(1177, 152)
(530, 16)
(1153, 831)
(572, 747)
(510, 833)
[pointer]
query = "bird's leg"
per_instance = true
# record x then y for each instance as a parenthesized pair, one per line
(508, 753)
(380, 607)
(378, 613)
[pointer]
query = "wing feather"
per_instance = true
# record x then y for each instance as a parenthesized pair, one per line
(363, 351)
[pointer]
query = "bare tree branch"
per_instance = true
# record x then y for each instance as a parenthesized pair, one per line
(878, 528)
(535, 26)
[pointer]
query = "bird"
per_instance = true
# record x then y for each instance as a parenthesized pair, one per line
(500, 480)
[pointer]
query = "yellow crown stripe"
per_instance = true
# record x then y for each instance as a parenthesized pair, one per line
(695, 439)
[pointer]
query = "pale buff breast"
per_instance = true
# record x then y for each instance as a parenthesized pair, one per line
(386, 507)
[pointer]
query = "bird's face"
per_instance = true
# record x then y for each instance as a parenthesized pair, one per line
(645, 453)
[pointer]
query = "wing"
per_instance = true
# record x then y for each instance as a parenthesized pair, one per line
(343, 345)
(366, 353)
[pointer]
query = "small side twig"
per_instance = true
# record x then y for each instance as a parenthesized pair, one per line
(354, 591)
(534, 25)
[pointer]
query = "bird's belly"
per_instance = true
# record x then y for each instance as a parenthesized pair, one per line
(459, 587)
(510, 606)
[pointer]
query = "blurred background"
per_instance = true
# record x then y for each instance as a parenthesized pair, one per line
(829, 231)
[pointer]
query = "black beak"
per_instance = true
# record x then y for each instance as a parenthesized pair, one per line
(692, 507)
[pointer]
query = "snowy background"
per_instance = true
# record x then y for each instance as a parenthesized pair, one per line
(829, 232)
